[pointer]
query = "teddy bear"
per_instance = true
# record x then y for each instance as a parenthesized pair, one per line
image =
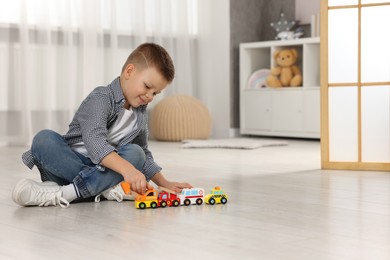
(286, 73)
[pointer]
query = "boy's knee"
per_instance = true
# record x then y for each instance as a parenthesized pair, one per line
(43, 138)
(134, 154)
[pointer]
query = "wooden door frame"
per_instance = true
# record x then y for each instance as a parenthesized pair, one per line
(324, 73)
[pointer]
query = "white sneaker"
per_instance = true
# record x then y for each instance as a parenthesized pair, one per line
(31, 193)
(114, 193)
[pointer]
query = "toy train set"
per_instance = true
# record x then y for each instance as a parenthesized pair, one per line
(164, 197)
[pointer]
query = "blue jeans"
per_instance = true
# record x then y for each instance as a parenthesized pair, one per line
(57, 162)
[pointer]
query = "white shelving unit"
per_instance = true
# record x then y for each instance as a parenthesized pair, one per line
(287, 111)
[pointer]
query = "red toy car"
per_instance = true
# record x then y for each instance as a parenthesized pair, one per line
(167, 199)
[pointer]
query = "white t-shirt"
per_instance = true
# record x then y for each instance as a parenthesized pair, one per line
(123, 125)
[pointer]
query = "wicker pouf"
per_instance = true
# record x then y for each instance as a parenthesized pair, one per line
(179, 117)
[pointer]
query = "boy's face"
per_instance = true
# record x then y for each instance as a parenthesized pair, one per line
(139, 86)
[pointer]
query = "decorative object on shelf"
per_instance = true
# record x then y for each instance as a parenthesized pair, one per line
(180, 117)
(258, 79)
(315, 25)
(283, 29)
(286, 73)
(289, 35)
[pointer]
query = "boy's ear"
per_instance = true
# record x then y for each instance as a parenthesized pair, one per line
(129, 69)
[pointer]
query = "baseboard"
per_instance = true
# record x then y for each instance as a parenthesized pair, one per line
(225, 133)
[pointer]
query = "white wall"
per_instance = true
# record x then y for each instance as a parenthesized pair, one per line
(214, 63)
(305, 8)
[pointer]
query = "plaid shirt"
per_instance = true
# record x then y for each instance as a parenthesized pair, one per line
(95, 115)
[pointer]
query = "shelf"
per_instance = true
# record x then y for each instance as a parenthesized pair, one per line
(300, 41)
(287, 111)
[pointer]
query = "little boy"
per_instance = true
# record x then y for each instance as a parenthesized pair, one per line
(106, 142)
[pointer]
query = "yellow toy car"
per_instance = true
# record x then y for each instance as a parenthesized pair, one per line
(147, 200)
(217, 195)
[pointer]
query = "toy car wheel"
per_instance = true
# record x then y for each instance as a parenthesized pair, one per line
(199, 201)
(176, 203)
(142, 205)
(187, 202)
(223, 200)
(211, 201)
(153, 205)
(163, 204)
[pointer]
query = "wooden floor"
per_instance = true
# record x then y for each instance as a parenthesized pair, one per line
(282, 206)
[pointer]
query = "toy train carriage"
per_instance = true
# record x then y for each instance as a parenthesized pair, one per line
(147, 200)
(170, 199)
(154, 199)
(217, 195)
(192, 196)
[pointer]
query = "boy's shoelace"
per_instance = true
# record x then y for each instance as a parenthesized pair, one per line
(47, 199)
(113, 193)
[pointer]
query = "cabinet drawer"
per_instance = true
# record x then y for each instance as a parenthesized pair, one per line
(256, 110)
(287, 114)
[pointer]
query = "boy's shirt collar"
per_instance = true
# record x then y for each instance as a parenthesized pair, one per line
(116, 88)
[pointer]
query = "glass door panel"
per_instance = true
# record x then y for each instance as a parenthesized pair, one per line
(343, 45)
(343, 124)
(376, 124)
(375, 44)
(372, 1)
(342, 2)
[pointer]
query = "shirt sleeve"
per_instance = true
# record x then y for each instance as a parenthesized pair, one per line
(92, 117)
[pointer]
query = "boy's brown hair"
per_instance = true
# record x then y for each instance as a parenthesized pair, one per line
(152, 55)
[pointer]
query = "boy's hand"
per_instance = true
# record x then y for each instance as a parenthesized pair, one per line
(177, 186)
(130, 174)
(137, 181)
(160, 180)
